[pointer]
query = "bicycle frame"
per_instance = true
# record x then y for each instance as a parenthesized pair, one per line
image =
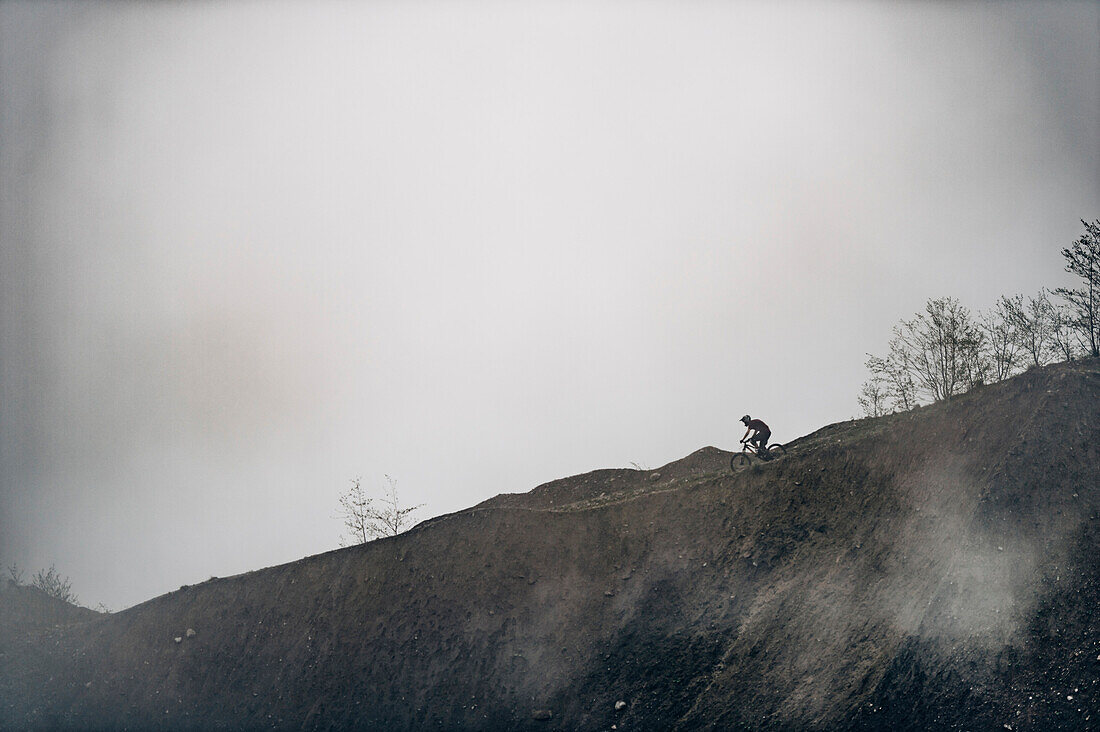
(749, 450)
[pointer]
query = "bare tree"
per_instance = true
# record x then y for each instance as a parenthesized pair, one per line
(940, 352)
(354, 505)
(943, 352)
(1083, 260)
(976, 364)
(391, 519)
(1033, 323)
(1000, 342)
(366, 520)
(872, 396)
(54, 585)
(896, 375)
(943, 347)
(1064, 336)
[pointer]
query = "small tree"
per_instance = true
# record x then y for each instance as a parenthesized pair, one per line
(895, 373)
(366, 521)
(15, 573)
(54, 585)
(1000, 343)
(391, 518)
(1033, 323)
(1064, 336)
(1083, 260)
(354, 505)
(872, 397)
(975, 362)
(940, 352)
(943, 348)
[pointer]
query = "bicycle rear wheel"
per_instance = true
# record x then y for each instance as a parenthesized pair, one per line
(776, 449)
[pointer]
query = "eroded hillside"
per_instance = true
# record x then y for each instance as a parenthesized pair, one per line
(933, 569)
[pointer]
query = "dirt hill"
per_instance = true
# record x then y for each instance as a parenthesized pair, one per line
(928, 570)
(26, 608)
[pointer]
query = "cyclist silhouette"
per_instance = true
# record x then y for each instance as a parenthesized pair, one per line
(761, 432)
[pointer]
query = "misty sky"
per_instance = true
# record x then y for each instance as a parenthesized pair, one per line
(253, 250)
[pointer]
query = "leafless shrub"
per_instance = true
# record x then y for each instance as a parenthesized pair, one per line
(15, 573)
(354, 505)
(54, 585)
(365, 520)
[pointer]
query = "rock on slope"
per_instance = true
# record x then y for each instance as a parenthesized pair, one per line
(933, 569)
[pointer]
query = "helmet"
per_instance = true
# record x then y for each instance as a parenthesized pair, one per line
(746, 419)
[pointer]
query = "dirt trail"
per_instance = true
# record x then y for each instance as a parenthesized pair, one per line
(928, 570)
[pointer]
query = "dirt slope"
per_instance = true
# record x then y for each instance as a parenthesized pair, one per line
(26, 608)
(28, 619)
(930, 570)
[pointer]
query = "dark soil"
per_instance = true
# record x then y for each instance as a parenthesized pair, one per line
(928, 570)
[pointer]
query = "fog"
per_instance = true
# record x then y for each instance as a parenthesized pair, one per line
(253, 251)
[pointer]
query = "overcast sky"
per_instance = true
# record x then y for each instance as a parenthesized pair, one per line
(253, 250)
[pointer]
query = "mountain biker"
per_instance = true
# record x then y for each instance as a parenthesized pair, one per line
(761, 432)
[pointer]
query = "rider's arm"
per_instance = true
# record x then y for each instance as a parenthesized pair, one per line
(746, 436)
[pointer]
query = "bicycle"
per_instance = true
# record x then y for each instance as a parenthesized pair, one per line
(749, 450)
